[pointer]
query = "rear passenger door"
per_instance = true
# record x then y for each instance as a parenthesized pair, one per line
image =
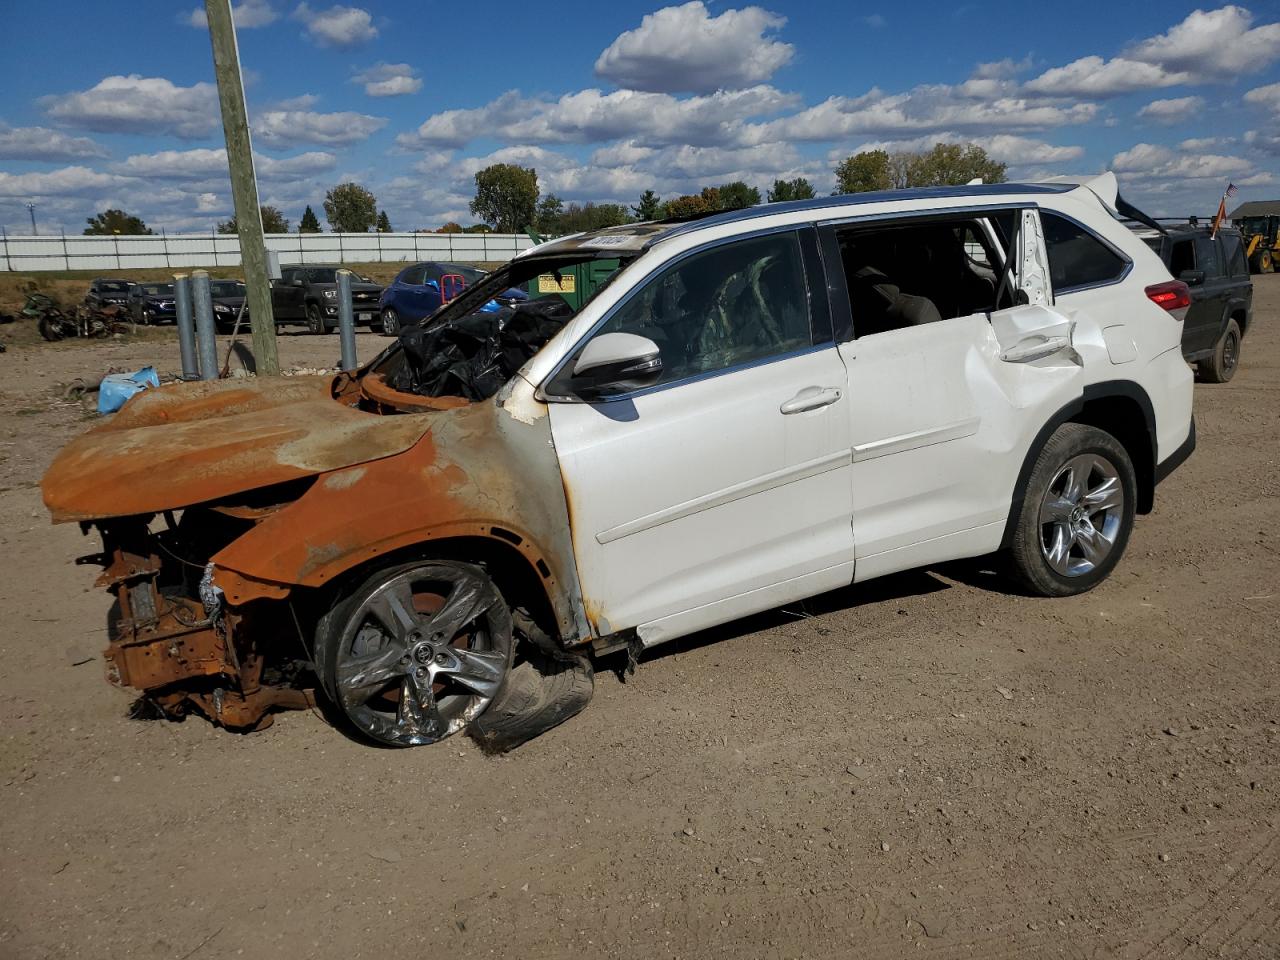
(949, 360)
(1204, 323)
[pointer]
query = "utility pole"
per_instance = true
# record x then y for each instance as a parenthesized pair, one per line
(244, 185)
(31, 209)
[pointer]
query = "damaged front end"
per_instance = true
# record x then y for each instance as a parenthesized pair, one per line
(236, 516)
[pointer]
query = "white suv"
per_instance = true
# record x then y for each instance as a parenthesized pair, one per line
(753, 407)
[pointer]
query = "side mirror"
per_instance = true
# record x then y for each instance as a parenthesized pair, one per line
(1192, 278)
(614, 363)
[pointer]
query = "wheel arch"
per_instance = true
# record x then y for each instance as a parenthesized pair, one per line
(1120, 407)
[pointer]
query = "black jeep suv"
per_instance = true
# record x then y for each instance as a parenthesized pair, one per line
(310, 295)
(1221, 294)
(108, 293)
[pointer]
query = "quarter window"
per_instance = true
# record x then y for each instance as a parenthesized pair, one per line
(1233, 251)
(1182, 257)
(723, 307)
(1077, 258)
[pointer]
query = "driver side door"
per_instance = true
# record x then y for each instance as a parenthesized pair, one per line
(723, 489)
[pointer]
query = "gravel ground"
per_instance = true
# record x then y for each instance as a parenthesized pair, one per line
(927, 765)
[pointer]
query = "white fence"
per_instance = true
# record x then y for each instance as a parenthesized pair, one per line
(32, 253)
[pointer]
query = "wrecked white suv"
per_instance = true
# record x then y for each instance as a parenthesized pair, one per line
(750, 408)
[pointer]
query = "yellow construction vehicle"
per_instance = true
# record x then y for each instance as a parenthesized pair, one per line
(1259, 224)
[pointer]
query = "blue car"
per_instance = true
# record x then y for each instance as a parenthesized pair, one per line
(420, 290)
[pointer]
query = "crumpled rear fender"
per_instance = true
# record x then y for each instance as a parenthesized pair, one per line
(476, 470)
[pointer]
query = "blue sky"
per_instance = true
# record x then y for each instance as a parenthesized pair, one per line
(114, 104)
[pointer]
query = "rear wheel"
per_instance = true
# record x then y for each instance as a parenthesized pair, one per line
(1077, 512)
(390, 322)
(416, 652)
(1221, 365)
(315, 320)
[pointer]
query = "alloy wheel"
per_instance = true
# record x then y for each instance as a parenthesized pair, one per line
(390, 323)
(1081, 515)
(423, 654)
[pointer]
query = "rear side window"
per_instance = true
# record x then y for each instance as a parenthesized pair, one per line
(1182, 257)
(1207, 257)
(1077, 258)
(1233, 255)
(413, 275)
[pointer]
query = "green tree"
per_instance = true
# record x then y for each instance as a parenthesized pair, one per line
(350, 208)
(864, 171)
(692, 204)
(649, 207)
(308, 223)
(576, 218)
(506, 197)
(384, 223)
(115, 221)
(797, 189)
(952, 164)
(478, 228)
(273, 221)
(550, 210)
(736, 195)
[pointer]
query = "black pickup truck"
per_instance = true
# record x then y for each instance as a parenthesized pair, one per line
(309, 295)
(1221, 294)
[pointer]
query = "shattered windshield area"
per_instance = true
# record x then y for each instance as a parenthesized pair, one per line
(114, 286)
(158, 289)
(478, 341)
(226, 288)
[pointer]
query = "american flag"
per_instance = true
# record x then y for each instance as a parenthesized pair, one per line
(1231, 190)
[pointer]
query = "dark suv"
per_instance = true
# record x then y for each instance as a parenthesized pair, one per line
(310, 295)
(108, 293)
(1221, 294)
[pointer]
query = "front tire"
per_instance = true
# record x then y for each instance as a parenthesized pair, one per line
(390, 322)
(1077, 512)
(1221, 366)
(315, 319)
(416, 652)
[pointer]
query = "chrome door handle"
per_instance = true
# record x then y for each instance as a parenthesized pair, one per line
(811, 398)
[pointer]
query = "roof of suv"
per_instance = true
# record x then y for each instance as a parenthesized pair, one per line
(633, 237)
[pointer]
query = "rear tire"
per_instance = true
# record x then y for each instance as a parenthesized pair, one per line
(315, 320)
(1221, 365)
(1077, 512)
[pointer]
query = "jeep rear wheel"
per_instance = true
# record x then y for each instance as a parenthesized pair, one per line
(315, 320)
(1221, 365)
(1077, 512)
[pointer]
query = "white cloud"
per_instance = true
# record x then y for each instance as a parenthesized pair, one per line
(201, 164)
(1198, 144)
(1148, 161)
(68, 181)
(685, 49)
(285, 128)
(590, 116)
(41, 143)
(137, 104)
(1267, 97)
(389, 80)
(1018, 152)
(1176, 110)
(208, 203)
(337, 26)
(1265, 141)
(1214, 45)
(246, 15)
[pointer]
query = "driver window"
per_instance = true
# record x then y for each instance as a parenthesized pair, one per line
(730, 305)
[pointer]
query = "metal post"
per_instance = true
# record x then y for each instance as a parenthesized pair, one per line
(346, 320)
(244, 185)
(202, 306)
(186, 327)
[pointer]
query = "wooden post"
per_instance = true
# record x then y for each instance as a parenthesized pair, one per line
(244, 185)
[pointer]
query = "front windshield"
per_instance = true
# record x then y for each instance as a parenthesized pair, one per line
(114, 286)
(322, 274)
(158, 289)
(226, 288)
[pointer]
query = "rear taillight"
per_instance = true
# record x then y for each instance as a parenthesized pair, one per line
(1172, 295)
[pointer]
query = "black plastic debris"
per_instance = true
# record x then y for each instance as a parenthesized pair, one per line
(473, 356)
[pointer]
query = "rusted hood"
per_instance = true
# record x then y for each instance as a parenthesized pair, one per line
(189, 443)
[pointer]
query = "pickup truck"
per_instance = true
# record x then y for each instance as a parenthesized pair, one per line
(1221, 311)
(309, 295)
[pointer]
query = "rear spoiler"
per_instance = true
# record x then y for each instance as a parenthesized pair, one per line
(1130, 212)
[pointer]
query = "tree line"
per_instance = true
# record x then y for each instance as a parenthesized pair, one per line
(508, 200)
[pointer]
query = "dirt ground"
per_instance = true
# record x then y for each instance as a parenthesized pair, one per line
(930, 765)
